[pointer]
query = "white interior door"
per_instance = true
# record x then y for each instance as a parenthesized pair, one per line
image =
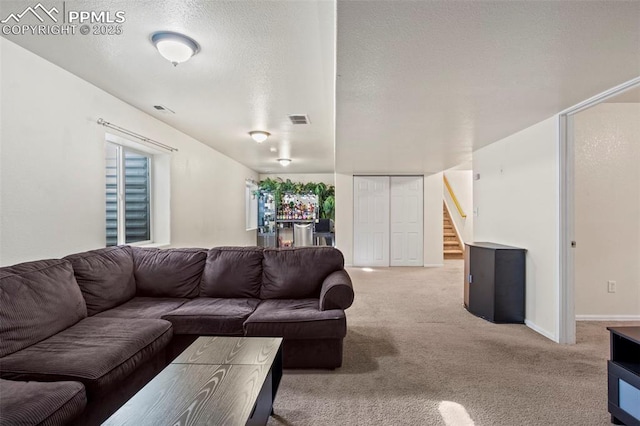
(371, 221)
(406, 215)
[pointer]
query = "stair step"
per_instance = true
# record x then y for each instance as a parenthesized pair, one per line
(449, 234)
(451, 243)
(452, 256)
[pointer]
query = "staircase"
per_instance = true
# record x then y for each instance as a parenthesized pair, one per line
(451, 243)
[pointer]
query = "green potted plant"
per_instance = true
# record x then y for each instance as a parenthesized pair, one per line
(329, 207)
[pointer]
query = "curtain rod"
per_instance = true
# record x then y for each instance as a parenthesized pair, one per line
(135, 135)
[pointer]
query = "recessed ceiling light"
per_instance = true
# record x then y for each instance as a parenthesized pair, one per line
(174, 47)
(284, 162)
(259, 135)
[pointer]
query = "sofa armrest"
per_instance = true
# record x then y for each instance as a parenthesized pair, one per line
(337, 291)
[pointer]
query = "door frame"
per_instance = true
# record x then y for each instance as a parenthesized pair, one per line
(566, 318)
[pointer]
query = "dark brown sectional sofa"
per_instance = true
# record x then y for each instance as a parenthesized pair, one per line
(80, 335)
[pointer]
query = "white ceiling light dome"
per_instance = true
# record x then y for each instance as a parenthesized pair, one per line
(284, 162)
(259, 135)
(174, 47)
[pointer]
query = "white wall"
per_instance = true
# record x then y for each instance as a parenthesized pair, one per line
(52, 193)
(607, 210)
(433, 229)
(344, 216)
(461, 182)
(517, 198)
(327, 178)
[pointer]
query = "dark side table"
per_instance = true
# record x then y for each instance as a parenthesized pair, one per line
(624, 376)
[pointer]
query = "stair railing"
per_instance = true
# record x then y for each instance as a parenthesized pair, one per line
(453, 197)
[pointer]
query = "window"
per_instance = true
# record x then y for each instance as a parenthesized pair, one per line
(128, 195)
(251, 205)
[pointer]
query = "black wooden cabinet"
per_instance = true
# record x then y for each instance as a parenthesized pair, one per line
(494, 284)
(624, 376)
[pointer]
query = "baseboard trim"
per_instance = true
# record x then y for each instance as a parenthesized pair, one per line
(433, 265)
(540, 330)
(607, 317)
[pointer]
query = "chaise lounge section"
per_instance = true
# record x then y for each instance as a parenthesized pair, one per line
(35, 403)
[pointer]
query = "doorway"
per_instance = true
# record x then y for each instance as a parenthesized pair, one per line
(388, 221)
(568, 243)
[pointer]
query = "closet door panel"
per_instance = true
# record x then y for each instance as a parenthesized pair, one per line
(406, 225)
(371, 221)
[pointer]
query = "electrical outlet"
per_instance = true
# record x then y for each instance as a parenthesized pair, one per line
(611, 286)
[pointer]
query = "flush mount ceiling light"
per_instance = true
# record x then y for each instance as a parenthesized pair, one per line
(284, 162)
(174, 47)
(259, 135)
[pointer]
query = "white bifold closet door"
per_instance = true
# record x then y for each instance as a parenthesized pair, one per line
(371, 221)
(388, 221)
(407, 222)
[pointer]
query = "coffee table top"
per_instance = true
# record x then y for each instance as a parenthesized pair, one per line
(231, 350)
(214, 381)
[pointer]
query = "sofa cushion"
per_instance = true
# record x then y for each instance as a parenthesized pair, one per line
(99, 352)
(144, 307)
(213, 317)
(37, 300)
(168, 272)
(37, 403)
(295, 319)
(105, 277)
(297, 273)
(232, 272)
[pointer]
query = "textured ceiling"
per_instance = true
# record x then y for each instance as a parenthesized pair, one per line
(259, 61)
(423, 83)
(419, 85)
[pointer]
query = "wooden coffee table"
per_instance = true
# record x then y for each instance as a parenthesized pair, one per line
(215, 381)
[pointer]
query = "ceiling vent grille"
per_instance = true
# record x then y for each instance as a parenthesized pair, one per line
(163, 109)
(299, 118)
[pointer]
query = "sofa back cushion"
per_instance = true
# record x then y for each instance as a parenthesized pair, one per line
(232, 272)
(168, 272)
(105, 277)
(297, 273)
(37, 300)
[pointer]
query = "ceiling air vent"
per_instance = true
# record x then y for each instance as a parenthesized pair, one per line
(299, 118)
(163, 109)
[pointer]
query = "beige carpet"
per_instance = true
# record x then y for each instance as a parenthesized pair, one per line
(414, 356)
